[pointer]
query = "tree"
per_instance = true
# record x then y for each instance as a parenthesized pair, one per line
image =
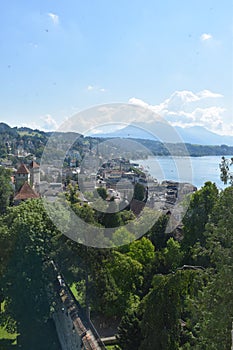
(25, 281)
(157, 233)
(129, 331)
(6, 189)
(127, 274)
(215, 304)
(139, 192)
(122, 237)
(226, 175)
(201, 205)
(169, 258)
(72, 194)
(164, 309)
(102, 192)
(143, 251)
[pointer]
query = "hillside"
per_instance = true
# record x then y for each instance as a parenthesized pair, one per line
(25, 142)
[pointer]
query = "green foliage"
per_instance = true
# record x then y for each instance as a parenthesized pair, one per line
(157, 233)
(201, 205)
(122, 237)
(127, 275)
(215, 305)
(129, 331)
(142, 250)
(24, 284)
(161, 304)
(139, 192)
(72, 194)
(169, 258)
(102, 192)
(160, 324)
(226, 175)
(6, 189)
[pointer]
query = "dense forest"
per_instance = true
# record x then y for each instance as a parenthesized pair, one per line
(164, 293)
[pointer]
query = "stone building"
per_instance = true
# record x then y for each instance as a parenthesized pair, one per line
(25, 192)
(22, 175)
(34, 169)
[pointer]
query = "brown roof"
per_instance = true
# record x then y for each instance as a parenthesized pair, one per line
(137, 206)
(26, 192)
(22, 169)
(34, 164)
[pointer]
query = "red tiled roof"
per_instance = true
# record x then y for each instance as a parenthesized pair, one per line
(26, 192)
(34, 164)
(22, 169)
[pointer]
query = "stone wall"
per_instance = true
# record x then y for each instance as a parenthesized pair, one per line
(74, 331)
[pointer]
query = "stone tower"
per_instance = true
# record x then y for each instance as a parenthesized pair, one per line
(34, 174)
(22, 175)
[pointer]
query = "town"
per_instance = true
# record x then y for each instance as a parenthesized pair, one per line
(118, 177)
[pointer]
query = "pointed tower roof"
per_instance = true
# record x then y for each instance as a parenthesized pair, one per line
(34, 164)
(26, 192)
(22, 169)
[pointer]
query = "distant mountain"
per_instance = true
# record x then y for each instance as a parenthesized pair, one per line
(195, 135)
(130, 131)
(201, 136)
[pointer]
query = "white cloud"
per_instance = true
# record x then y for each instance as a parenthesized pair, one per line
(185, 108)
(95, 88)
(206, 36)
(208, 94)
(50, 123)
(54, 18)
(138, 102)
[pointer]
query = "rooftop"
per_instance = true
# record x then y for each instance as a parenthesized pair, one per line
(34, 164)
(22, 169)
(26, 192)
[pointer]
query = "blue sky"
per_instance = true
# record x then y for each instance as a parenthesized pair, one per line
(60, 57)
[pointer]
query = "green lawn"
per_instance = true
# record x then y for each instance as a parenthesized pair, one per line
(5, 335)
(78, 296)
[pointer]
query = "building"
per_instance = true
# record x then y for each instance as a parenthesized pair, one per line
(22, 175)
(25, 181)
(34, 169)
(25, 192)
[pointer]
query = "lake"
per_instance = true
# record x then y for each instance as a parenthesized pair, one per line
(195, 170)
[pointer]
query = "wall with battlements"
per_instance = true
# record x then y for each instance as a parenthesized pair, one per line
(74, 331)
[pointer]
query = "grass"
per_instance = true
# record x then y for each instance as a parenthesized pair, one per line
(79, 296)
(4, 334)
(27, 133)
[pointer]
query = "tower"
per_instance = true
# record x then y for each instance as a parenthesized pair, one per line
(22, 175)
(34, 174)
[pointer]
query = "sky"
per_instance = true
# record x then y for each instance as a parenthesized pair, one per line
(61, 57)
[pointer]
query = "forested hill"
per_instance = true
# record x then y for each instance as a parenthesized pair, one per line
(13, 140)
